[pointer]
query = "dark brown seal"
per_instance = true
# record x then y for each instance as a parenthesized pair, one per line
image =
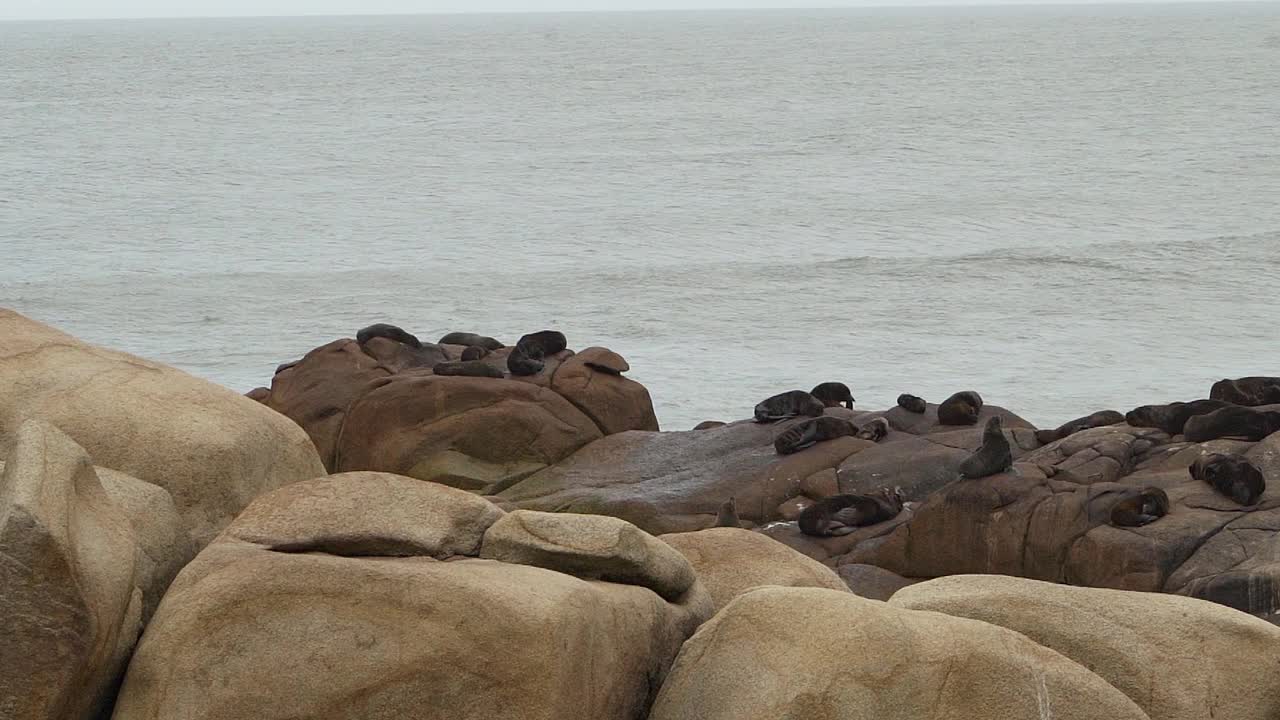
(1232, 475)
(1101, 418)
(1248, 391)
(708, 424)
(390, 332)
(728, 515)
(470, 339)
(993, 457)
(843, 514)
(1172, 417)
(875, 430)
(789, 404)
(476, 352)
(1140, 508)
(833, 394)
(809, 432)
(960, 409)
(912, 404)
(1233, 421)
(527, 357)
(467, 368)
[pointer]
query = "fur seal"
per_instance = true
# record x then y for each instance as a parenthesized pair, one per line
(788, 404)
(530, 351)
(1247, 391)
(993, 457)
(1172, 417)
(467, 368)
(390, 332)
(960, 409)
(708, 424)
(1233, 421)
(476, 352)
(470, 339)
(1140, 508)
(1231, 475)
(843, 514)
(728, 515)
(833, 394)
(874, 430)
(912, 404)
(812, 431)
(1067, 429)
(285, 366)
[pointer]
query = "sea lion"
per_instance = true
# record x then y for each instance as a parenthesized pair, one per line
(467, 368)
(708, 424)
(843, 514)
(285, 366)
(960, 409)
(993, 457)
(788, 404)
(470, 339)
(526, 358)
(728, 515)
(391, 332)
(1232, 475)
(812, 431)
(875, 430)
(1172, 417)
(1247, 391)
(1140, 508)
(833, 394)
(1233, 421)
(1067, 429)
(912, 404)
(476, 352)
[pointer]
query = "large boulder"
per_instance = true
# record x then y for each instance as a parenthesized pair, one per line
(71, 585)
(730, 561)
(803, 653)
(211, 448)
(1177, 658)
(592, 380)
(342, 572)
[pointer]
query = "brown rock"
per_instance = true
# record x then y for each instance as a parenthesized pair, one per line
(615, 403)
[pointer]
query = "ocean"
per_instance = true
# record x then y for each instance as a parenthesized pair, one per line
(1066, 208)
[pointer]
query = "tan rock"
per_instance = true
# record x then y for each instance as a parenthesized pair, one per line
(730, 561)
(1176, 657)
(805, 653)
(592, 380)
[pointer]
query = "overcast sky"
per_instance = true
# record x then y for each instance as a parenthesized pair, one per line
(60, 9)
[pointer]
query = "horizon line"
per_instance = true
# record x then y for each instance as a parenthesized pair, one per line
(873, 5)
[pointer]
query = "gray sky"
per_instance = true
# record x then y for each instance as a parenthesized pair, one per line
(62, 9)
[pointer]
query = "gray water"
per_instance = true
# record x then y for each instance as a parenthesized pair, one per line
(1066, 208)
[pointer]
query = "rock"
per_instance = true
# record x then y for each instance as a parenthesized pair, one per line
(802, 653)
(1177, 658)
(593, 547)
(676, 481)
(71, 604)
(871, 582)
(730, 561)
(157, 528)
(211, 448)
(792, 509)
(615, 403)
(470, 433)
(251, 632)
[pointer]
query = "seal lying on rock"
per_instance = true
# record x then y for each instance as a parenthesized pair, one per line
(843, 514)
(912, 404)
(475, 352)
(390, 332)
(960, 409)
(788, 405)
(833, 394)
(728, 515)
(1067, 429)
(1140, 508)
(527, 357)
(1172, 417)
(1233, 421)
(993, 457)
(1248, 391)
(470, 339)
(815, 430)
(874, 430)
(708, 424)
(1231, 475)
(467, 368)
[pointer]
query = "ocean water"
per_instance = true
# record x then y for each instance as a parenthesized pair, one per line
(1064, 208)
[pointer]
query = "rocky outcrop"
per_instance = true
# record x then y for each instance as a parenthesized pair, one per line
(801, 653)
(1176, 657)
(212, 449)
(327, 599)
